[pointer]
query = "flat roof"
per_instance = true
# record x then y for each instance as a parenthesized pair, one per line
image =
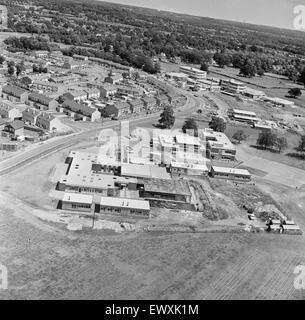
(144, 171)
(125, 203)
(196, 70)
(177, 187)
(187, 139)
(185, 165)
(245, 117)
(244, 112)
(78, 197)
(231, 170)
(253, 91)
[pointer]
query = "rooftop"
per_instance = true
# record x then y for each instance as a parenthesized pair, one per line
(125, 203)
(78, 198)
(176, 187)
(232, 171)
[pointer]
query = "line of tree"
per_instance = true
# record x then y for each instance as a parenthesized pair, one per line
(270, 140)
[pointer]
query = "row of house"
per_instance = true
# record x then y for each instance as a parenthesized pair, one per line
(147, 104)
(80, 111)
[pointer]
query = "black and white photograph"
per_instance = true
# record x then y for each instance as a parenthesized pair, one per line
(152, 151)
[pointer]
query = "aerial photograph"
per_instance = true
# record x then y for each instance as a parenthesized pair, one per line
(151, 151)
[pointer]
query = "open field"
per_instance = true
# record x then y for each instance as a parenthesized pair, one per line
(45, 262)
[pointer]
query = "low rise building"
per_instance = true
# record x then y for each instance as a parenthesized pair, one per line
(119, 109)
(232, 86)
(137, 106)
(253, 94)
(108, 90)
(8, 110)
(150, 104)
(230, 173)
(29, 115)
(80, 111)
(243, 116)
(48, 122)
(193, 73)
(278, 102)
(76, 95)
(14, 94)
(42, 102)
(218, 146)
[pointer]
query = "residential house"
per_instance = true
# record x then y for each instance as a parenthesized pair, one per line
(80, 111)
(45, 86)
(137, 106)
(14, 94)
(113, 78)
(92, 93)
(119, 109)
(29, 115)
(48, 122)
(9, 110)
(15, 128)
(76, 95)
(150, 104)
(108, 90)
(162, 100)
(42, 102)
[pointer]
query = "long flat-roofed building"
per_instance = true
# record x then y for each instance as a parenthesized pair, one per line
(232, 86)
(230, 173)
(244, 116)
(123, 207)
(193, 73)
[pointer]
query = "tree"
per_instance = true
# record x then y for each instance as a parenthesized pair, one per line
(217, 124)
(295, 92)
(222, 59)
(281, 143)
(248, 69)
(301, 146)
(19, 68)
(239, 135)
(266, 139)
(302, 76)
(190, 124)
(2, 59)
(10, 70)
(204, 66)
(167, 118)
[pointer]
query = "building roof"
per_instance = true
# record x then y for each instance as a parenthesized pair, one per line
(176, 187)
(77, 198)
(13, 90)
(187, 139)
(31, 111)
(40, 98)
(125, 203)
(79, 108)
(234, 171)
(144, 171)
(244, 112)
(136, 102)
(17, 124)
(122, 105)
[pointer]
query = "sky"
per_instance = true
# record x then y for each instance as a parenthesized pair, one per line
(276, 13)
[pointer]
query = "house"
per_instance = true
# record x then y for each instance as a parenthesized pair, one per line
(119, 109)
(9, 110)
(77, 202)
(3, 123)
(15, 128)
(41, 54)
(162, 100)
(128, 90)
(173, 98)
(76, 95)
(150, 104)
(48, 122)
(137, 105)
(81, 111)
(45, 86)
(108, 90)
(29, 115)
(92, 93)
(113, 78)
(14, 94)
(42, 102)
